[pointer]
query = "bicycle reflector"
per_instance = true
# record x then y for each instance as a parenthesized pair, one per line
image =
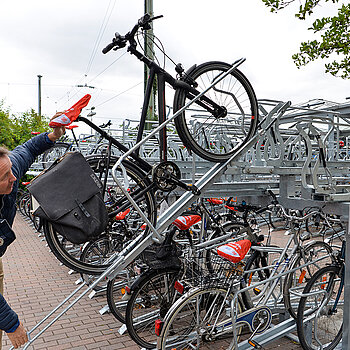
(158, 325)
(301, 277)
(70, 114)
(179, 287)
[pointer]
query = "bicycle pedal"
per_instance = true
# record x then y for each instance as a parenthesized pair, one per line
(255, 344)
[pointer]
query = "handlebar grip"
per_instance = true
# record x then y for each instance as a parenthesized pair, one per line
(108, 48)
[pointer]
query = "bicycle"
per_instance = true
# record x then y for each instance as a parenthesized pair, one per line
(24, 205)
(229, 113)
(320, 311)
(322, 224)
(210, 223)
(156, 290)
(220, 108)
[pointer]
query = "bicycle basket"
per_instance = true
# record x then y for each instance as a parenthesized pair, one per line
(213, 272)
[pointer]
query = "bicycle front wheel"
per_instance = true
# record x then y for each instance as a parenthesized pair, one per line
(223, 120)
(296, 281)
(201, 319)
(150, 300)
(320, 314)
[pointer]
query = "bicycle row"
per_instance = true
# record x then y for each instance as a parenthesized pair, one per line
(191, 261)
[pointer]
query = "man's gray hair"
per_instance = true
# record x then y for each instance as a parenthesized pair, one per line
(4, 152)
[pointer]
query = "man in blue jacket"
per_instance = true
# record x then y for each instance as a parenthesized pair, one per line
(13, 165)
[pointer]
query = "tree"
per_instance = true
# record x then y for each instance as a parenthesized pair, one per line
(333, 36)
(16, 129)
(27, 123)
(6, 128)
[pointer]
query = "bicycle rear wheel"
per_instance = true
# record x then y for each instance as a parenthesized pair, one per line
(138, 184)
(277, 220)
(215, 133)
(316, 224)
(55, 152)
(320, 315)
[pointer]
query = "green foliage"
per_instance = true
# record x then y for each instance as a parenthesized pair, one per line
(6, 129)
(16, 129)
(332, 36)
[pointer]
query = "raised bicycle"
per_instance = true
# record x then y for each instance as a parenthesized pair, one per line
(223, 120)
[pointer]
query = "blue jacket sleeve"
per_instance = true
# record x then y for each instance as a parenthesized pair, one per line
(8, 318)
(23, 156)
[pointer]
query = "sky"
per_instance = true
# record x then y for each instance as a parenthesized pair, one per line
(62, 42)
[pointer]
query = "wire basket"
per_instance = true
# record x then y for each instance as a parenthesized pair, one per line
(212, 271)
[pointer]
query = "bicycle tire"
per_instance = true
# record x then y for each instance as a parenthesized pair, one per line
(22, 203)
(257, 260)
(115, 292)
(150, 300)
(97, 251)
(55, 152)
(218, 138)
(277, 220)
(19, 195)
(137, 180)
(27, 207)
(315, 225)
(187, 325)
(327, 322)
(298, 279)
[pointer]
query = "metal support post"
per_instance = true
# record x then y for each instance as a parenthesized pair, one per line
(39, 94)
(346, 310)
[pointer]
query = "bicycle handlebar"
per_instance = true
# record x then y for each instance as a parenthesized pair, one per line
(294, 217)
(106, 125)
(119, 41)
(246, 208)
(274, 198)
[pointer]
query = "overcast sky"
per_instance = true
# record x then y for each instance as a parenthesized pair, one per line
(56, 39)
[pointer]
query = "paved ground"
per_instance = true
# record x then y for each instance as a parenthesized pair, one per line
(35, 283)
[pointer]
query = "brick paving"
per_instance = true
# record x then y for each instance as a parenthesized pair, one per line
(35, 283)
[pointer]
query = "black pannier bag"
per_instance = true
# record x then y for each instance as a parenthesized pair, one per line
(70, 198)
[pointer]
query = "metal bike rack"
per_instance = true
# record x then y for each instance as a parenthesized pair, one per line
(279, 161)
(140, 243)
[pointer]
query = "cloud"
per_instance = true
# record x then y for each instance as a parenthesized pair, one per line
(56, 39)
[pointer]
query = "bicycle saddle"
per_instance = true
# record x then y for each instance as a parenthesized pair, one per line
(70, 114)
(185, 222)
(215, 201)
(122, 215)
(235, 251)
